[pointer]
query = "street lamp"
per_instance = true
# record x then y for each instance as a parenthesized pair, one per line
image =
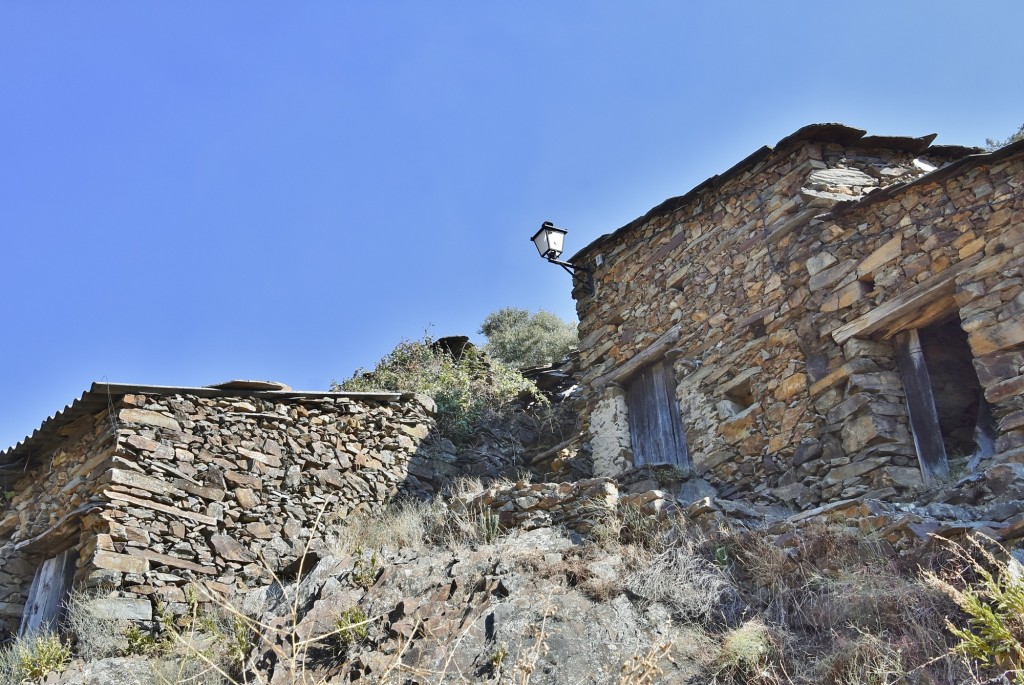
(548, 241)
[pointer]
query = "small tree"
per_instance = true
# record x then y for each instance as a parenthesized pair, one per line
(520, 339)
(994, 144)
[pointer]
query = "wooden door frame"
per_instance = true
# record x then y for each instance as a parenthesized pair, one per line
(52, 584)
(924, 417)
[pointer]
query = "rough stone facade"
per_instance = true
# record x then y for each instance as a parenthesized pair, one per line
(782, 292)
(155, 488)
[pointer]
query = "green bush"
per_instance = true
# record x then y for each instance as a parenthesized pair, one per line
(352, 626)
(994, 606)
(521, 339)
(33, 657)
(467, 390)
(364, 571)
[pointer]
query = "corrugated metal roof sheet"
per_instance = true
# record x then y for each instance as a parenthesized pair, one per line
(102, 395)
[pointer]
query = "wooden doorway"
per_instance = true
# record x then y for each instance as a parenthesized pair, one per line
(949, 416)
(655, 423)
(47, 598)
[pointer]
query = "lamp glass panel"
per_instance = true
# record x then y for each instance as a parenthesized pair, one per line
(541, 241)
(555, 237)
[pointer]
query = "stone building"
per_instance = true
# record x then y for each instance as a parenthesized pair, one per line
(835, 315)
(142, 490)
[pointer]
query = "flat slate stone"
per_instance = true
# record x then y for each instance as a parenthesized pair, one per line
(842, 177)
(122, 608)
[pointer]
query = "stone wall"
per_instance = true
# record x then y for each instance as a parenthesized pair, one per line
(40, 500)
(161, 491)
(577, 506)
(965, 230)
(742, 283)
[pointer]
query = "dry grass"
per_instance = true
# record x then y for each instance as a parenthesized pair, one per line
(830, 610)
(694, 588)
(96, 637)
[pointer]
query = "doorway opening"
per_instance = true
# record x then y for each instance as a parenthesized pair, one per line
(655, 423)
(959, 397)
(949, 417)
(46, 605)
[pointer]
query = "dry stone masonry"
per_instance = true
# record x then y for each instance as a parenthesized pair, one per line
(839, 314)
(142, 490)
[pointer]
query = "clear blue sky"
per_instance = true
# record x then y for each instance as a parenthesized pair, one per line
(197, 191)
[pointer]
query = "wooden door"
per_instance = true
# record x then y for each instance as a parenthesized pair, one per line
(655, 424)
(924, 419)
(48, 595)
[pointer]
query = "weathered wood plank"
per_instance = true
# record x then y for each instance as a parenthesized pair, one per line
(60, 531)
(647, 356)
(915, 298)
(50, 587)
(924, 419)
(656, 427)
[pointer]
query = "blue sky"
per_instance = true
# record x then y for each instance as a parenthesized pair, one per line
(193, 192)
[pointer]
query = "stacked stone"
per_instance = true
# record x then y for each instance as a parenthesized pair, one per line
(577, 506)
(712, 269)
(44, 500)
(990, 503)
(524, 505)
(217, 490)
(859, 260)
(742, 285)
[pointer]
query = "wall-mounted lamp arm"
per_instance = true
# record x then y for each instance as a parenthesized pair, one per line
(572, 269)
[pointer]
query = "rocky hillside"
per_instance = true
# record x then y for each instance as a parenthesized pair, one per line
(628, 589)
(522, 570)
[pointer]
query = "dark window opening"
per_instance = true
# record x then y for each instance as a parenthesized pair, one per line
(655, 423)
(741, 394)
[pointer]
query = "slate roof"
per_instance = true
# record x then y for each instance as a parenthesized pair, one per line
(822, 133)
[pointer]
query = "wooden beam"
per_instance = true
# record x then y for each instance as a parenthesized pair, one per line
(638, 361)
(924, 419)
(57, 534)
(551, 451)
(896, 311)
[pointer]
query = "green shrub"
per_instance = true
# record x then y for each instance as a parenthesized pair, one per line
(467, 390)
(352, 626)
(33, 657)
(994, 606)
(521, 339)
(364, 571)
(748, 655)
(140, 642)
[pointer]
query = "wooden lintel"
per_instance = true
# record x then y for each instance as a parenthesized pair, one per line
(896, 311)
(551, 451)
(638, 361)
(59, 532)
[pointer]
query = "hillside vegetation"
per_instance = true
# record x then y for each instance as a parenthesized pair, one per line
(455, 589)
